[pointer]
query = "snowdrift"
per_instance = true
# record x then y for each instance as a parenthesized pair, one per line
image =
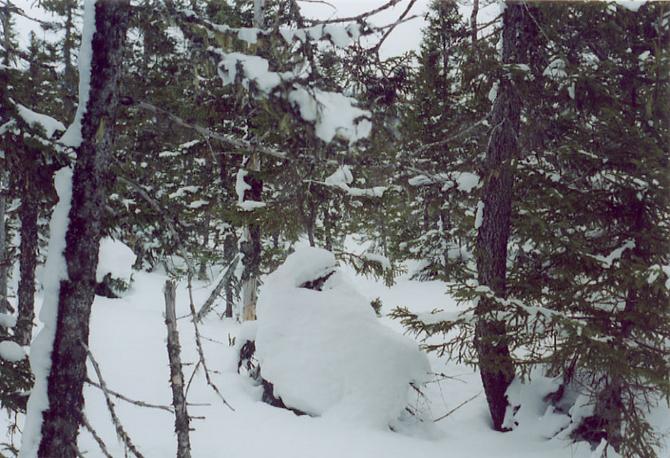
(325, 351)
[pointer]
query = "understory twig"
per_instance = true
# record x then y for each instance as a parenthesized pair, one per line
(98, 439)
(456, 408)
(129, 400)
(207, 306)
(123, 435)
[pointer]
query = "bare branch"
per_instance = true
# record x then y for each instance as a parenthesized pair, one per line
(123, 435)
(456, 408)
(129, 400)
(207, 306)
(359, 17)
(392, 26)
(94, 433)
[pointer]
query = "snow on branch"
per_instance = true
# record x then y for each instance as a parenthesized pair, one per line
(333, 114)
(463, 181)
(338, 35)
(342, 178)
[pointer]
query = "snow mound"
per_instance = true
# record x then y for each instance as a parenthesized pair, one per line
(530, 411)
(11, 351)
(115, 258)
(325, 352)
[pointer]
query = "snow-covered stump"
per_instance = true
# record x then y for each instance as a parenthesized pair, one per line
(115, 268)
(322, 351)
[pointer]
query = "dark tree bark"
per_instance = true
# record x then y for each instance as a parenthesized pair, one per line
(230, 248)
(4, 258)
(69, 77)
(181, 423)
(491, 342)
(473, 21)
(229, 252)
(91, 182)
(28, 213)
(328, 228)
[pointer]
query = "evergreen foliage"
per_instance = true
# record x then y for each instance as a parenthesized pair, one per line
(221, 171)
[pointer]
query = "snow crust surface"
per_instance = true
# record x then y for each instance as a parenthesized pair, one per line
(325, 351)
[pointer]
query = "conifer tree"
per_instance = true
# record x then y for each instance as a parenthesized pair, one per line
(92, 136)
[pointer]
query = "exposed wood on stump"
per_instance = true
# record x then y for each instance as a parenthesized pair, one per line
(90, 186)
(250, 247)
(491, 342)
(181, 423)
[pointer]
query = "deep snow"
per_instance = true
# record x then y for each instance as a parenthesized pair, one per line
(128, 340)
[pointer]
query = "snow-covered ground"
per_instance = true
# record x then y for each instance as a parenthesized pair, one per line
(128, 339)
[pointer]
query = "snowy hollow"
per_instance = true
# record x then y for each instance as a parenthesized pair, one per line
(325, 352)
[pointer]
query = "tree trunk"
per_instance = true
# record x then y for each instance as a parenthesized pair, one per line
(181, 423)
(202, 270)
(495, 363)
(69, 76)
(28, 213)
(250, 247)
(91, 182)
(229, 252)
(473, 21)
(4, 259)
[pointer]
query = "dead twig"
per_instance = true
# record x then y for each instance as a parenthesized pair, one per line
(120, 432)
(456, 408)
(129, 400)
(207, 306)
(98, 439)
